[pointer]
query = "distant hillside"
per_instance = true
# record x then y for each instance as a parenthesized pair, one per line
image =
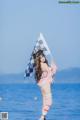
(12, 78)
(70, 75)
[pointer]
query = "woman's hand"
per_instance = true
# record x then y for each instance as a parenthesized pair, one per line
(53, 67)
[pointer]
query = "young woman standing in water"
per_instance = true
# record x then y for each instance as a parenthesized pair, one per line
(43, 75)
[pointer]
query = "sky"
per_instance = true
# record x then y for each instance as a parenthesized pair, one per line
(21, 21)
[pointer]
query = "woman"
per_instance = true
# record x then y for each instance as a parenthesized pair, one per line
(43, 75)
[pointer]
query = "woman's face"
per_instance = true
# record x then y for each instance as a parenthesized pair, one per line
(42, 58)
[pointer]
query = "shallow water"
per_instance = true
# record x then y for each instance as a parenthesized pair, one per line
(23, 101)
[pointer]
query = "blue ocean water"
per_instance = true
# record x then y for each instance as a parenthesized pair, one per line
(24, 101)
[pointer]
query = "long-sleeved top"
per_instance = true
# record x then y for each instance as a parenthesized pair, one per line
(47, 76)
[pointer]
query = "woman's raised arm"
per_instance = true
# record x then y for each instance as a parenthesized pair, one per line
(53, 67)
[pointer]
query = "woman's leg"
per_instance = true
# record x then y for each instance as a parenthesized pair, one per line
(47, 102)
(47, 99)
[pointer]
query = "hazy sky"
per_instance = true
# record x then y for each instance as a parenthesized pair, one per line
(20, 24)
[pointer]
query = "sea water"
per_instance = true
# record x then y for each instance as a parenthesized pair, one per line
(24, 101)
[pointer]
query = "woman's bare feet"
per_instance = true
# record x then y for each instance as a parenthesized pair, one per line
(42, 117)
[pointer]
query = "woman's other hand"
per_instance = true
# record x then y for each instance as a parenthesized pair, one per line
(53, 67)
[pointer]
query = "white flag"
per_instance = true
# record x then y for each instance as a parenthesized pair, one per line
(41, 44)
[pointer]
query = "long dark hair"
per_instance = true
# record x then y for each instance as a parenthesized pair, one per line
(37, 64)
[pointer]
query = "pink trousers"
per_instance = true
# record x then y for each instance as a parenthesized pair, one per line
(47, 102)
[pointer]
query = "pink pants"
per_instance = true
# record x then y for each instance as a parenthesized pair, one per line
(47, 102)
